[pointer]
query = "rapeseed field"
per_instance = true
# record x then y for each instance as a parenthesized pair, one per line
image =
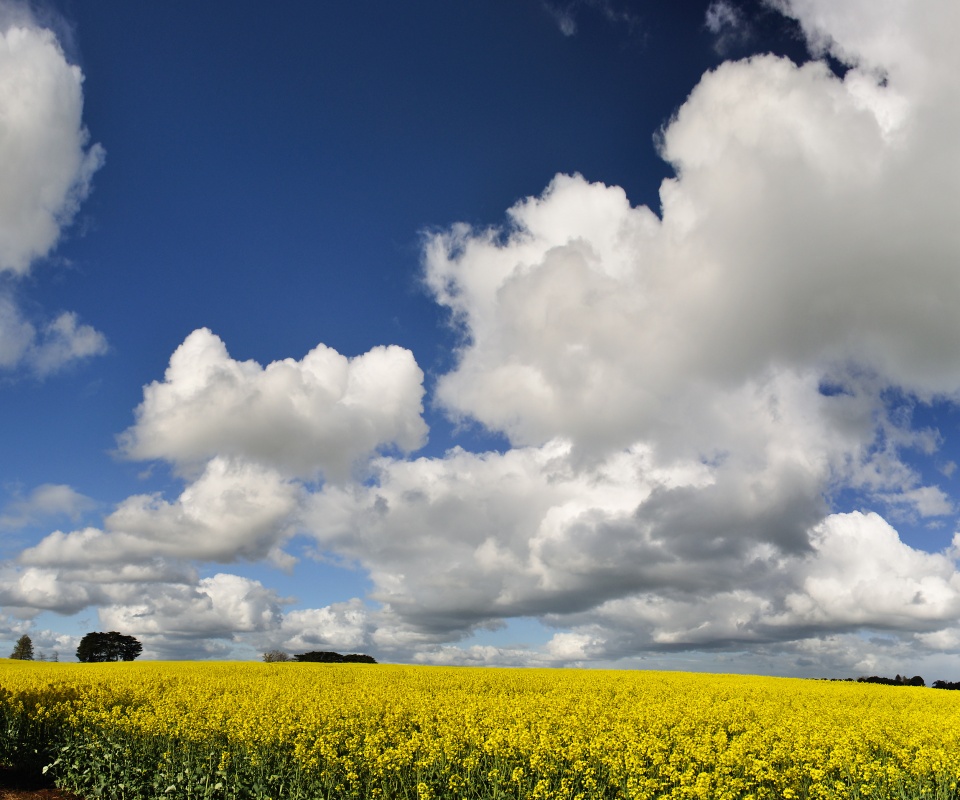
(290, 730)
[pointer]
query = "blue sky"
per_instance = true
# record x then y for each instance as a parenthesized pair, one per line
(554, 333)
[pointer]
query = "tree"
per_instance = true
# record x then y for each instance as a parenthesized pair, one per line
(23, 649)
(110, 646)
(274, 656)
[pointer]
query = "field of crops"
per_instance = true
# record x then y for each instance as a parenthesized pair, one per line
(250, 730)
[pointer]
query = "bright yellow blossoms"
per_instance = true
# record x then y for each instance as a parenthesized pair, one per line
(137, 730)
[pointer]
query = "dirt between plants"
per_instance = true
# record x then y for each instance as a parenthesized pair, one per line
(16, 784)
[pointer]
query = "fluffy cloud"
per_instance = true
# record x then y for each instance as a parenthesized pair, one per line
(340, 627)
(318, 415)
(32, 590)
(482, 522)
(217, 607)
(590, 303)
(46, 165)
(177, 614)
(45, 161)
(584, 302)
(43, 352)
(233, 510)
(627, 555)
(62, 341)
(728, 25)
(186, 617)
(44, 501)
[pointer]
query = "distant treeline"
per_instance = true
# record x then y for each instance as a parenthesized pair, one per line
(329, 657)
(902, 680)
(319, 657)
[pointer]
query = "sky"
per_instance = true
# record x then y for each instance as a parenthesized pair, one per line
(566, 333)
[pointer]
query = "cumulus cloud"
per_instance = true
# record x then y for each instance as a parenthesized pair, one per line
(177, 614)
(858, 576)
(185, 617)
(478, 519)
(627, 556)
(234, 510)
(591, 302)
(46, 161)
(32, 590)
(319, 415)
(340, 627)
(48, 500)
(46, 167)
(217, 607)
(50, 348)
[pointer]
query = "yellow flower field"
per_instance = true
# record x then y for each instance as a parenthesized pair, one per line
(290, 730)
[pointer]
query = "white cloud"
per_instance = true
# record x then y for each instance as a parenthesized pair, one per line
(319, 415)
(341, 627)
(564, 18)
(47, 500)
(864, 575)
(196, 621)
(584, 302)
(728, 25)
(486, 656)
(36, 589)
(912, 49)
(62, 341)
(626, 555)
(479, 520)
(46, 163)
(858, 576)
(234, 510)
(927, 501)
(43, 352)
(46, 166)
(218, 606)
(722, 14)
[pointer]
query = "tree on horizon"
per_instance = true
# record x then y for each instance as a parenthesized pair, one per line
(112, 646)
(23, 650)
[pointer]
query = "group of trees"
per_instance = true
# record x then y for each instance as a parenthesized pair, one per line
(903, 680)
(319, 657)
(946, 685)
(112, 646)
(93, 647)
(900, 680)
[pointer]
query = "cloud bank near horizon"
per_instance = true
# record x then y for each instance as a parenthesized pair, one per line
(682, 392)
